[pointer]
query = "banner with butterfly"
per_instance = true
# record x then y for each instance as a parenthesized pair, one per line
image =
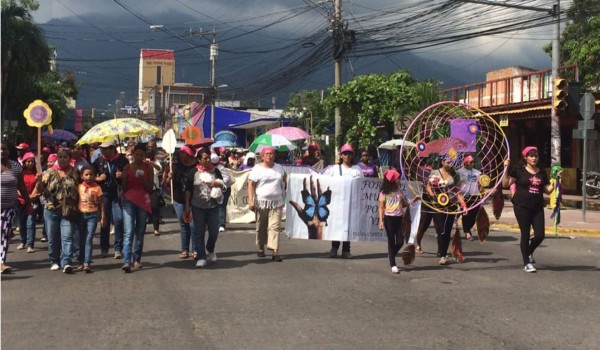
(338, 208)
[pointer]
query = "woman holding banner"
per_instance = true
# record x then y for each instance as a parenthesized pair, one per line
(266, 192)
(344, 168)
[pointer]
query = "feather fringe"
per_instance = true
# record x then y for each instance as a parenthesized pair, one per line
(483, 225)
(456, 248)
(497, 203)
(408, 255)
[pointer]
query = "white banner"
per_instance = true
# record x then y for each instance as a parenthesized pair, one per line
(339, 208)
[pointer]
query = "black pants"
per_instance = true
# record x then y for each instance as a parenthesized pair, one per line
(468, 220)
(424, 222)
(443, 228)
(528, 218)
(155, 205)
(335, 245)
(395, 236)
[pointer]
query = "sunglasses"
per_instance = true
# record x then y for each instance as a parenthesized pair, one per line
(346, 153)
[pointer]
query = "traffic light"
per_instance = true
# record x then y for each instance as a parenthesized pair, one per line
(560, 94)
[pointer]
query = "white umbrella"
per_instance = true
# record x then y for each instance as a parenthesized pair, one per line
(393, 144)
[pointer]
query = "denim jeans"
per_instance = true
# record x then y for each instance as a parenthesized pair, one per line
(87, 228)
(114, 213)
(134, 221)
(60, 236)
(223, 208)
(202, 219)
(186, 230)
(27, 226)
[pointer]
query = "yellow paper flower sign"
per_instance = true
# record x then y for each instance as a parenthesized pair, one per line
(191, 135)
(38, 114)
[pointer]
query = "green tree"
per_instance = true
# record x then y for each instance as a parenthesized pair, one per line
(370, 102)
(307, 110)
(580, 41)
(26, 73)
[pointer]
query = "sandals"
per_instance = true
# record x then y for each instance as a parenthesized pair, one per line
(183, 255)
(418, 249)
(195, 255)
(261, 254)
(469, 236)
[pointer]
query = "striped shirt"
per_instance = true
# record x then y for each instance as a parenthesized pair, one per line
(9, 179)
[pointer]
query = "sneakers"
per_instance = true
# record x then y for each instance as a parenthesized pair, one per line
(444, 261)
(67, 269)
(201, 263)
(333, 253)
(395, 269)
(126, 268)
(346, 255)
(43, 239)
(137, 265)
(531, 259)
(21, 246)
(529, 268)
(87, 268)
(118, 255)
(156, 233)
(30, 250)
(54, 267)
(212, 257)
(222, 229)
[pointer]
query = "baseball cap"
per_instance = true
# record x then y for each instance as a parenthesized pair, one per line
(347, 148)
(28, 155)
(22, 146)
(107, 144)
(187, 150)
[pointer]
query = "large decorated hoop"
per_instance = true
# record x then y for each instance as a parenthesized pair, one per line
(452, 130)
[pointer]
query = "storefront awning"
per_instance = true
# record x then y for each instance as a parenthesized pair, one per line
(256, 123)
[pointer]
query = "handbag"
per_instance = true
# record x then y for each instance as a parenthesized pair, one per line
(157, 199)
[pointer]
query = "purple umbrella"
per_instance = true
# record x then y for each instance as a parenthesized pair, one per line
(60, 134)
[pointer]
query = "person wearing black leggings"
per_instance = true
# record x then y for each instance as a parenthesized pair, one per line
(528, 202)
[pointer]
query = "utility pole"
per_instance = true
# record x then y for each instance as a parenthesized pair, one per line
(337, 69)
(214, 52)
(554, 120)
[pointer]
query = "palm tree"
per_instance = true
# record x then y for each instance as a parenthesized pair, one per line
(25, 57)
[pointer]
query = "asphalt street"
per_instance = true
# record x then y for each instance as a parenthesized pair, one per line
(308, 301)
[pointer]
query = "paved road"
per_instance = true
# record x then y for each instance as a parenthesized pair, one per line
(309, 301)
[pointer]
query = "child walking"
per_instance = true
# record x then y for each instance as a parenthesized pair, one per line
(391, 208)
(91, 208)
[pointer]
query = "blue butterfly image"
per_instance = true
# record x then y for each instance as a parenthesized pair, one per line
(318, 206)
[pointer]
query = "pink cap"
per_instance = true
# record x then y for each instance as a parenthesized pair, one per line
(22, 146)
(468, 159)
(347, 148)
(391, 175)
(528, 149)
(313, 147)
(267, 149)
(187, 150)
(46, 150)
(28, 155)
(53, 157)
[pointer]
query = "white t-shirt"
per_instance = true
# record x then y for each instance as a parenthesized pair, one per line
(342, 170)
(270, 186)
(469, 181)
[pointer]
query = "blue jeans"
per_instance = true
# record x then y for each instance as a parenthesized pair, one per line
(27, 226)
(114, 213)
(60, 236)
(134, 221)
(186, 230)
(203, 218)
(87, 228)
(223, 208)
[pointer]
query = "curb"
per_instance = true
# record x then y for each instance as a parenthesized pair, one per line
(549, 230)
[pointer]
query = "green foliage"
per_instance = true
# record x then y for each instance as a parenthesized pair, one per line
(31, 5)
(580, 42)
(371, 102)
(26, 73)
(308, 111)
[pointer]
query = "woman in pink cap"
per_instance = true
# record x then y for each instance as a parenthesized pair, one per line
(347, 168)
(266, 191)
(27, 213)
(528, 201)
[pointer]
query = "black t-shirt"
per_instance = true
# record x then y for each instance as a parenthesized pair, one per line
(530, 188)
(181, 174)
(109, 167)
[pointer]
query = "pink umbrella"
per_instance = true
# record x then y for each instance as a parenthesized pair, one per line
(289, 132)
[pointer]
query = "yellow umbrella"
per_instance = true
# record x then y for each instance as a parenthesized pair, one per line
(118, 128)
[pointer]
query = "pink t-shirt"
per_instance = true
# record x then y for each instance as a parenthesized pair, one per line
(393, 203)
